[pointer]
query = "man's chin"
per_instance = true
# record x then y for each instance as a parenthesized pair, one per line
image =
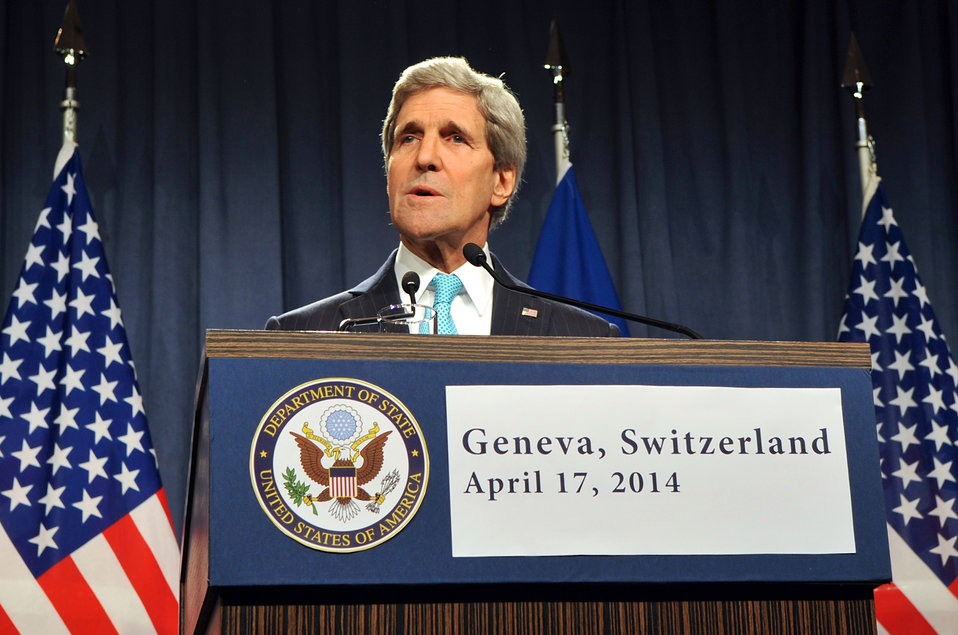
(426, 239)
(421, 225)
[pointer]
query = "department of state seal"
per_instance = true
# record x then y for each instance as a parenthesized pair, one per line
(339, 465)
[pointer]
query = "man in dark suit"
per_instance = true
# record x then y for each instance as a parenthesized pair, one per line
(454, 145)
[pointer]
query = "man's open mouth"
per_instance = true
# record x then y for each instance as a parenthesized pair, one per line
(423, 190)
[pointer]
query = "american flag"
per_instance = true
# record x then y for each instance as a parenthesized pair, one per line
(916, 406)
(86, 543)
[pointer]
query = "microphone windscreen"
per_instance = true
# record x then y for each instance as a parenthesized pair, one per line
(474, 254)
(410, 282)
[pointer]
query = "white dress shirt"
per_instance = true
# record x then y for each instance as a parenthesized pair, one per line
(471, 310)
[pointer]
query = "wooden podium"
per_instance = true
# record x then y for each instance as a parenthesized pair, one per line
(239, 574)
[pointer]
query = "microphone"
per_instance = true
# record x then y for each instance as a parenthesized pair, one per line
(410, 284)
(477, 257)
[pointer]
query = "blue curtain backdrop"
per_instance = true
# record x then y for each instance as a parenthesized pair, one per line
(231, 152)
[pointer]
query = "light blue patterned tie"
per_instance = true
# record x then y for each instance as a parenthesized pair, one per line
(447, 287)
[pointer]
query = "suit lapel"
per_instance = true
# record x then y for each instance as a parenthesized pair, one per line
(374, 293)
(516, 313)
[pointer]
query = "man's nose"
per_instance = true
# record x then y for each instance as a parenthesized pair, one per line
(428, 158)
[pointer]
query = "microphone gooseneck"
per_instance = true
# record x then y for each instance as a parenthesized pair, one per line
(477, 257)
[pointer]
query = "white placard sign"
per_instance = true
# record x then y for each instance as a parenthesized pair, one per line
(629, 470)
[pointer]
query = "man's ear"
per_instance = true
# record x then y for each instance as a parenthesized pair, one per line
(505, 185)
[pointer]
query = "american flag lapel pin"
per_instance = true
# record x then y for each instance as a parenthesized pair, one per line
(527, 312)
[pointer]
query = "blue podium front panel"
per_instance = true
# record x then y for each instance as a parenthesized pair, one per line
(252, 542)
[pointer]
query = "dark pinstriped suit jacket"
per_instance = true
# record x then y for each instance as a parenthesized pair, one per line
(364, 300)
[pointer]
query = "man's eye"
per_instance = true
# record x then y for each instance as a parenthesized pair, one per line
(408, 139)
(458, 138)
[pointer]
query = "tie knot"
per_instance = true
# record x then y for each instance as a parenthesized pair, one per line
(447, 285)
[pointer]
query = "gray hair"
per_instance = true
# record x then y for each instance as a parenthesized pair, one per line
(505, 124)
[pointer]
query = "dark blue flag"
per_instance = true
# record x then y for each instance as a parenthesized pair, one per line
(568, 260)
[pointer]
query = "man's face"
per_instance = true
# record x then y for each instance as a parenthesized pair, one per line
(440, 175)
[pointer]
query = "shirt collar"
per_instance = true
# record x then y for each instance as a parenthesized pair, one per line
(476, 282)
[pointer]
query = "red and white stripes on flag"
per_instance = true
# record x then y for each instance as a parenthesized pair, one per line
(917, 603)
(122, 579)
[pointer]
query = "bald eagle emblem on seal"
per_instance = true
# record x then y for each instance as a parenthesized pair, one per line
(343, 480)
(339, 464)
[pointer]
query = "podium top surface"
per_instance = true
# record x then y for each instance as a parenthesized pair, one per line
(503, 348)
